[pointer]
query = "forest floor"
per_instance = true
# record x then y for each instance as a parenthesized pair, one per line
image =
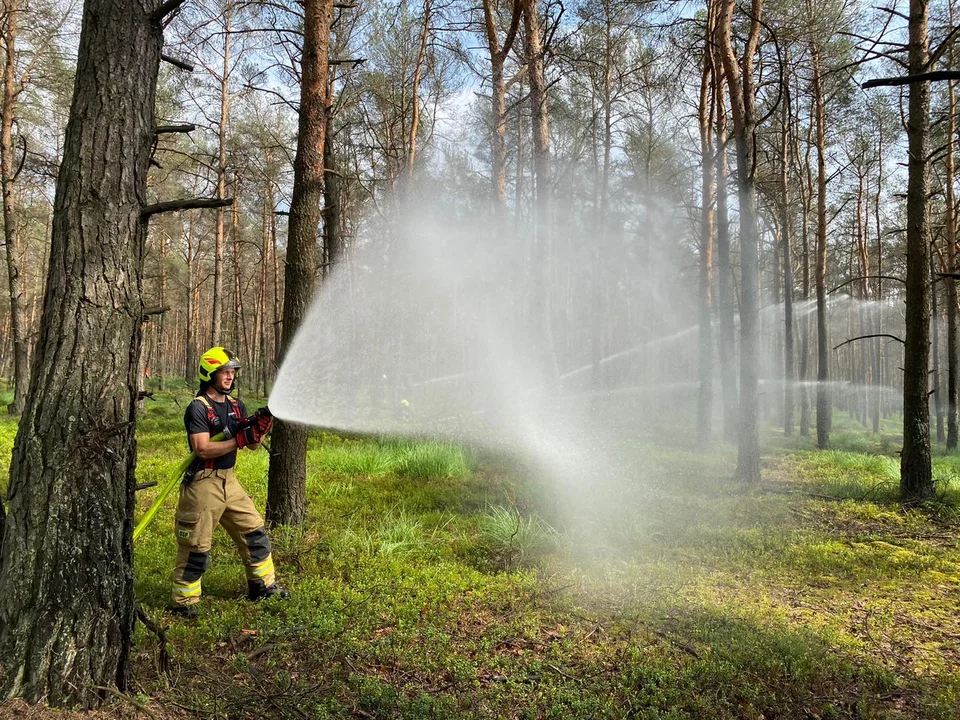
(433, 581)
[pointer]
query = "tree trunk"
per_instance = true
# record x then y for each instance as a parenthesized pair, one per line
(878, 348)
(190, 339)
(161, 321)
(67, 606)
(806, 186)
(287, 483)
(824, 412)
(498, 142)
(541, 316)
(743, 108)
(216, 330)
(935, 347)
(332, 220)
(15, 258)
(950, 283)
(415, 100)
(789, 375)
(916, 481)
(725, 289)
(706, 111)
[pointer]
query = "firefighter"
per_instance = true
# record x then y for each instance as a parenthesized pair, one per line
(210, 494)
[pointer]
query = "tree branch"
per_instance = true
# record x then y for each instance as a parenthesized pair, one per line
(867, 277)
(909, 79)
(178, 63)
(865, 337)
(165, 9)
(184, 204)
(184, 128)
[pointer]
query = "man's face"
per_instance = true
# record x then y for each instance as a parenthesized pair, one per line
(223, 379)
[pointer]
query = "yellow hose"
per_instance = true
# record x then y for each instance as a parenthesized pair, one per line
(174, 480)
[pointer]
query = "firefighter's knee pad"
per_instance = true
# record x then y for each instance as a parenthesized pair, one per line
(258, 544)
(197, 563)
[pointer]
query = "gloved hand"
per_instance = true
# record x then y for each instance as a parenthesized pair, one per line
(263, 420)
(249, 435)
(257, 425)
(234, 427)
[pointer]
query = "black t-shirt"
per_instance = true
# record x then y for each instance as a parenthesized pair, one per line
(196, 421)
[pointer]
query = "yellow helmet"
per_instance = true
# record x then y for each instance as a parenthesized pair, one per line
(216, 358)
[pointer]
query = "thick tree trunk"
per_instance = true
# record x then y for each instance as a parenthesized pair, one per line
(743, 108)
(15, 257)
(67, 606)
(287, 482)
(916, 482)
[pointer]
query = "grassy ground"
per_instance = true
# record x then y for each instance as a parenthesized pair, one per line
(434, 582)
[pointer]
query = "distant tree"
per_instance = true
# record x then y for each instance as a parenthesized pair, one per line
(742, 91)
(824, 409)
(706, 112)
(499, 51)
(12, 87)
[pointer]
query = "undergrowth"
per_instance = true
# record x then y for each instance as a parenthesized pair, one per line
(431, 581)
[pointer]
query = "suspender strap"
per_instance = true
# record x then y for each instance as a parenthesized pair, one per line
(211, 418)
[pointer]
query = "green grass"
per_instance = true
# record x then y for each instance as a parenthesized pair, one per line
(431, 581)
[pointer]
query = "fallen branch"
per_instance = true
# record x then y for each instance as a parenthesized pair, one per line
(123, 696)
(163, 660)
(803, 493)
(689, 649)
(263, 649)
(184, 204)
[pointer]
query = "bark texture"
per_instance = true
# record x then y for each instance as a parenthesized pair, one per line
(916, 482)
(287, 482)
(67, 606)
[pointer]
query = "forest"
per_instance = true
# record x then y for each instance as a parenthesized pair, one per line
(610, 348)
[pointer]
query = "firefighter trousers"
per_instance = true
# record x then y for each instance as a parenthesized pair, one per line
(214, 497)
